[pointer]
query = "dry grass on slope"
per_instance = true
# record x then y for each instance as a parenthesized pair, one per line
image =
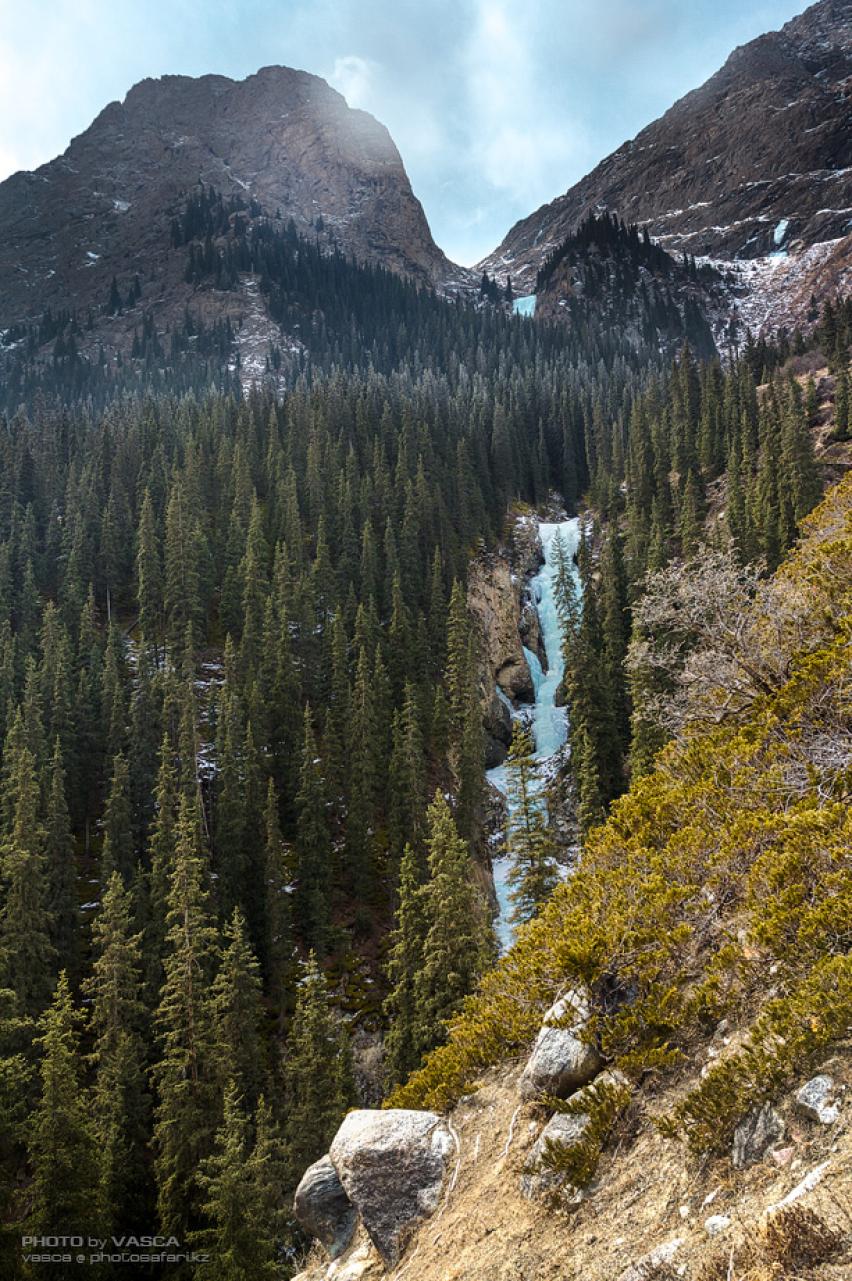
(648, 1193)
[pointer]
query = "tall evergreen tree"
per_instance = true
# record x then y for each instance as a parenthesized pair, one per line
(61, 868)
(121, 1113)
(278, 952)
(317, 1073)
(458, 939)
(529, 842)
(313, 848)
(238, 1241)
(185, 1074)
(149, 573)
(405, 1042)
(27, 956)
(61, 1141)
(118, 853)
(237, 1013)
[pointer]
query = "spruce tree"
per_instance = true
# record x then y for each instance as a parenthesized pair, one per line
(458, 939)
(313, 848)
(27, 955)
(238, 1014)
(185, 1074)
(239, 1242)
(404, 1041)
(590, 809)
(118, 853)
(278, 952)
(149, 574)
(529, 843)
(161, 852)
(317, 1073)
(406, 781)
(61, 1140)
(61, 867)
(16, 1095)
(121, 1113)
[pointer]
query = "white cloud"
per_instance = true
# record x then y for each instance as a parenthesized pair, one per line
(514, 140)
(353, 77)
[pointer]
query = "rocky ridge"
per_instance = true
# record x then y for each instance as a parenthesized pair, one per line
(754, 166)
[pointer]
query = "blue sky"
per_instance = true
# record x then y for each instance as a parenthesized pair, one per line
(495, 105)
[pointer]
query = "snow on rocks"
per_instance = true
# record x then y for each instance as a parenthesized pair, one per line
(392, 1164)
(814, 1100)
(323, 1209)
(561, 1062)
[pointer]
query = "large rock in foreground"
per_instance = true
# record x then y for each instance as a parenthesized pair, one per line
(323, 1209)
(561, 1062)
(392, 1165)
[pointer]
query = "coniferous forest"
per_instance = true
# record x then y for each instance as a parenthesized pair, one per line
(242, 798)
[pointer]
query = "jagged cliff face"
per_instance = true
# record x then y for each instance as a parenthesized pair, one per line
(506, 620)
(284, 137)
(756, 162)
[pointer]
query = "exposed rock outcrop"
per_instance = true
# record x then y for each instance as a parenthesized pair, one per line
(494, 598)
(651, 1211)
(392, 1165)
(563, 1131)
(506, 620)
(755, 1135)
(561, 1061)
(323, 1209)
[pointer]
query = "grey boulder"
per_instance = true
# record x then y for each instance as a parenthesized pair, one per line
(561, 1061)
(392, 1165)
(564, 1130)
(323, 1209)
(755, 1134)
(814, 1100)
(538, 1181)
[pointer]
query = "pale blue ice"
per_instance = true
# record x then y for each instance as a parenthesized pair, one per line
(548, 722)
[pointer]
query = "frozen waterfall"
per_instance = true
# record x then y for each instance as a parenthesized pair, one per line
(549, 723)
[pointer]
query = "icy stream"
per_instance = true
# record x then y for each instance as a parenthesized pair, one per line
(549, 723)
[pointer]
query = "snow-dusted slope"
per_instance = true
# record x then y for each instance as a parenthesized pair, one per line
(755, 162)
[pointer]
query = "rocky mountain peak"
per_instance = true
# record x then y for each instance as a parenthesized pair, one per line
(281, 137)
(757, 162)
